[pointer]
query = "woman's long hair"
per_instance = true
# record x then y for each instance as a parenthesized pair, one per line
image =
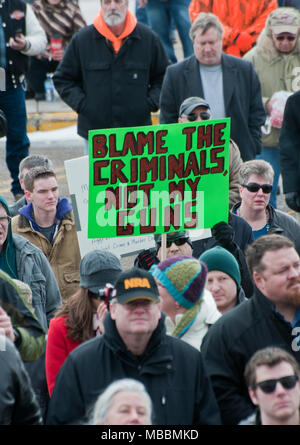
(79, 311)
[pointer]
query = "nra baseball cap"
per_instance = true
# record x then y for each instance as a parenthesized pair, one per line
(284, 20)
(135, 284)
(189, 104)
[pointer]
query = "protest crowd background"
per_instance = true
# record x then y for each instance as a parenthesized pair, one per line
(106, 321)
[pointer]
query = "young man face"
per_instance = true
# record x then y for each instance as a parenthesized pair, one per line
(280, 279)
(223, 288)
(44, 196)
(281, 405)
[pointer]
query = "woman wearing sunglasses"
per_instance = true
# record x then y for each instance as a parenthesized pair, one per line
(256, 179)
(272, 377)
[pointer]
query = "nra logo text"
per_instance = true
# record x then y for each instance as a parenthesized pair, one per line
(136, 282)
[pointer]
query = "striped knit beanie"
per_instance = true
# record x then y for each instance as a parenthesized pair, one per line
(184, 278)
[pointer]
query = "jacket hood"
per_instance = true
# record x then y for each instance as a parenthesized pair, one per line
(114, 341)
(63, 207)
(265, 45)
(8, 254)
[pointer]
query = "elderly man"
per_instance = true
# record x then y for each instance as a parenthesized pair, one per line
(256, 178)
(229, 84)
(276, 60)
(272, 376)
(135, 345)
(112, 71)
(268, 318)
(20, 36)
(48, 223)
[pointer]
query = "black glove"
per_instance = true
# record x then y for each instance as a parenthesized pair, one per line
(293, 201)
(3, 124)
(224, 235)
(145, 259)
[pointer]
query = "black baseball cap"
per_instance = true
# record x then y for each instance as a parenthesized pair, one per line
(135, 284)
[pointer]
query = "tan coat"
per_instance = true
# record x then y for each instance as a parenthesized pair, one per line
(63, 255)
(276, 72)
(235, 162)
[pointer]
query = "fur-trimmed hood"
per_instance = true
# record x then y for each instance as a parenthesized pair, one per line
(265, 45)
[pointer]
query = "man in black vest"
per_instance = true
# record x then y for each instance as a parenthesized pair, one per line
(20, 36)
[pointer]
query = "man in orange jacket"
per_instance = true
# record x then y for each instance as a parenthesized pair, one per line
(242, 20)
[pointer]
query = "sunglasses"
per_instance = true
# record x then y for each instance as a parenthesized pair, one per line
(177, 242)
(253, 187)
(268, 386)
(282, 38)
(193, 116)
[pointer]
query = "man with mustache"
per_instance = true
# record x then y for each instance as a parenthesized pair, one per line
(112, 71)
(271, 317)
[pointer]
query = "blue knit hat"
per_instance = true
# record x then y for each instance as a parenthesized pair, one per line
(184, 278)
(221, 259)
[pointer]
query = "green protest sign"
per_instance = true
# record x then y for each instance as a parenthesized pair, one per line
(156, 179)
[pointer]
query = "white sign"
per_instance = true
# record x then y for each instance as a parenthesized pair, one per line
(77, 171)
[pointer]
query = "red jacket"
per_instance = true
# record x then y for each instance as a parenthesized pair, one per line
(242, 20)
(58, 348)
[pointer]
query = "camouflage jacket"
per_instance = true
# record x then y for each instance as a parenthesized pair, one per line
(31, 339)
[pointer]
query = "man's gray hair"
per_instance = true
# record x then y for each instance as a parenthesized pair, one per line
(257, 167)
(205, 21)
(32, 161)
(105, 400)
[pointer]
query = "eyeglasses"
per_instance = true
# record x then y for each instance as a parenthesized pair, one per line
(5, 219)
(282, 38)
(253, 187)
(268, 386)
(177, 242)
(193, 116)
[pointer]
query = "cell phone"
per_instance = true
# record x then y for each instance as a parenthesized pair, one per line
(18, 33)
(105, 294)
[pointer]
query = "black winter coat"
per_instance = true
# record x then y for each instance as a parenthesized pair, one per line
(289, 143)
(282, 224)
(231, 342)
(171, 370)
(18, 405)
(107, 90)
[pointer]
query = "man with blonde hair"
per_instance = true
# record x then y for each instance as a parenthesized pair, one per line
(229, 84)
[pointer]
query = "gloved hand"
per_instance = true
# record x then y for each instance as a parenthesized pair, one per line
(224, 235)
(146, 259)
(293, 201)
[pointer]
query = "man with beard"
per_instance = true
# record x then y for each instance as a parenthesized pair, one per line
(112, 71)
(271, 317)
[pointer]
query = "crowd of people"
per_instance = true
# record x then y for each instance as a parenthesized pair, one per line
(197, 331)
